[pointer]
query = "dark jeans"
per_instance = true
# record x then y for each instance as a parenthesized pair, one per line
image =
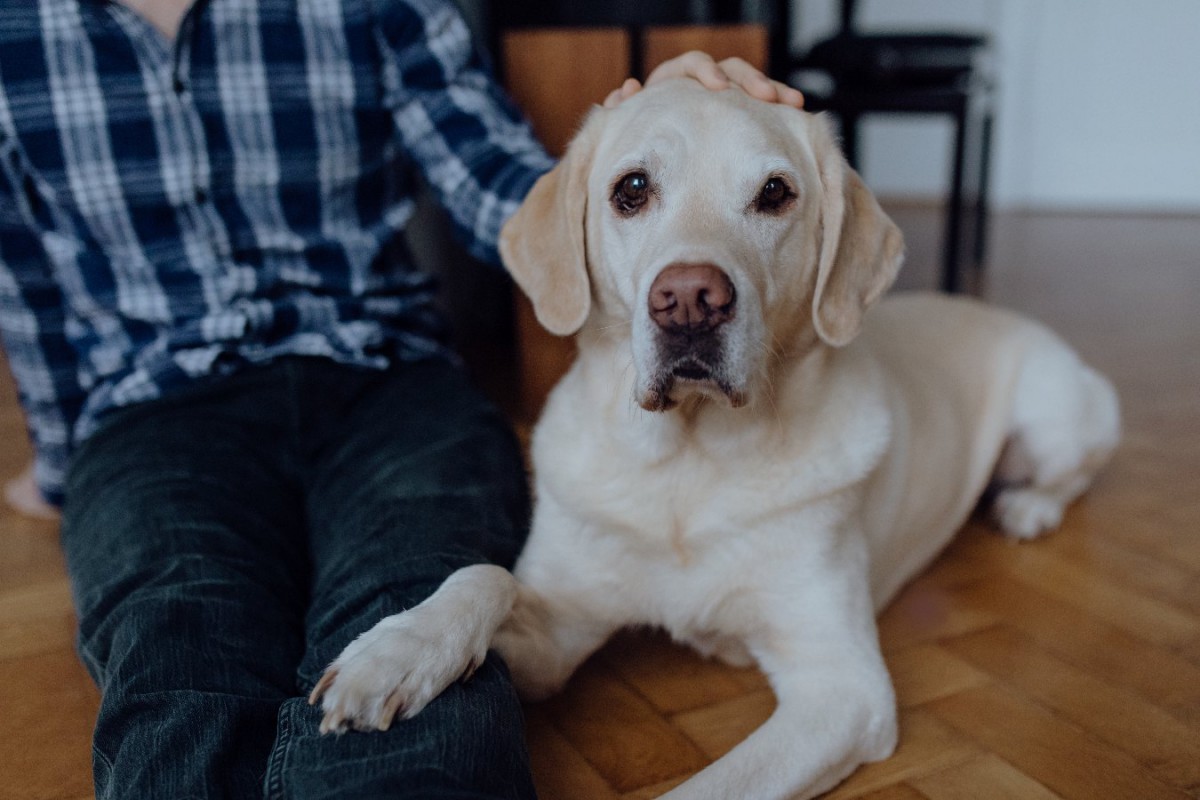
(225, 544)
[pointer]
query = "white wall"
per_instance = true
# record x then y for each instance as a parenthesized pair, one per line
(1098, 104)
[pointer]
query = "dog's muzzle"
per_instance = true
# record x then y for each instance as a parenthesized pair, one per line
(690, 304)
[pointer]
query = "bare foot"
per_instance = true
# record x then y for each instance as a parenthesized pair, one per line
(23, 495)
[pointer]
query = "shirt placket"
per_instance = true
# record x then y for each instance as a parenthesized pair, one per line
(205, 239)
(190, 124)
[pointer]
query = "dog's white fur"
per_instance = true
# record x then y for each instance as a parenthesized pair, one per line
(765, 515)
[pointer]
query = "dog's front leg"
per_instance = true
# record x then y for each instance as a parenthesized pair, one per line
(407, 659)
(567, 602)
(545, 639)
(827, 723)
(818, 644)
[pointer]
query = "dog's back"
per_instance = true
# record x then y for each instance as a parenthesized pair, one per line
(970, 386)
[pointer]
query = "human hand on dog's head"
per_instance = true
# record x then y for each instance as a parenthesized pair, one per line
(713, 75)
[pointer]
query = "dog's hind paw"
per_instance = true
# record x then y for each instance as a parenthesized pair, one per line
(1027, 513)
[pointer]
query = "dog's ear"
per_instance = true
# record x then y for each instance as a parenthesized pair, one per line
(861, 248)
(544, 244)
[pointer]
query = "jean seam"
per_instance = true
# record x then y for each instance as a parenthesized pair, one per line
(273, 783)
(101, 763)
(101, 756)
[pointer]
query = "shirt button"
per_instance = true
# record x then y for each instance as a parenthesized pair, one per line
(178, 85)
(201, 196)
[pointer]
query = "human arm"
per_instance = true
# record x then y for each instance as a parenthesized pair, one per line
(468, 139)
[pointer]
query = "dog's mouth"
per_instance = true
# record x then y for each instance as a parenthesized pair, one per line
(692, 369)
(689, 376)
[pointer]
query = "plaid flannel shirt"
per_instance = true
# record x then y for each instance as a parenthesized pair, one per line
(172, 210)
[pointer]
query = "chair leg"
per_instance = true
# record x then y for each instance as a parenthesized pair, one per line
(981, 203)
(951, 244)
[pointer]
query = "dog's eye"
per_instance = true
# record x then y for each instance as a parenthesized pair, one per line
(774, 196)
(631, 193)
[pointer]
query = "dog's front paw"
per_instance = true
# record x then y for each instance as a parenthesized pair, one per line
(394, 670)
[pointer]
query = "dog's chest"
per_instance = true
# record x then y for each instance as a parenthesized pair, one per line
(656, 509)
(690, 546)
(677, 516)
(680, 545)
(673, 513)
(667, 496)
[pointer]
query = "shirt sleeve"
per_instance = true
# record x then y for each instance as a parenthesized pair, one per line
(467, 137)
(32, 330)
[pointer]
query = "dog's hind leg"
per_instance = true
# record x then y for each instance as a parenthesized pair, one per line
(1065, 424)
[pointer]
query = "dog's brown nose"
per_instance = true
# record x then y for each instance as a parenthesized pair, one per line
(691, 297)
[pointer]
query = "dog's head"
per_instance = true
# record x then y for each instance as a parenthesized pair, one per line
(717, 232)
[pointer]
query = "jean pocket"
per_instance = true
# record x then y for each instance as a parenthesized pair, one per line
(286, 725)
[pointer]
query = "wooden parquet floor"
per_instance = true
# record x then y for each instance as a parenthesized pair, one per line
(1068, 667)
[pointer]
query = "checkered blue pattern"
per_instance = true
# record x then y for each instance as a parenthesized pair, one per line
(173, 210)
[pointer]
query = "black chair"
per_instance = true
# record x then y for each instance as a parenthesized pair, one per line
(917, 73)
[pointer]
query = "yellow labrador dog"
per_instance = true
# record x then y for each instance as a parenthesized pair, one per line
(746, 453)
